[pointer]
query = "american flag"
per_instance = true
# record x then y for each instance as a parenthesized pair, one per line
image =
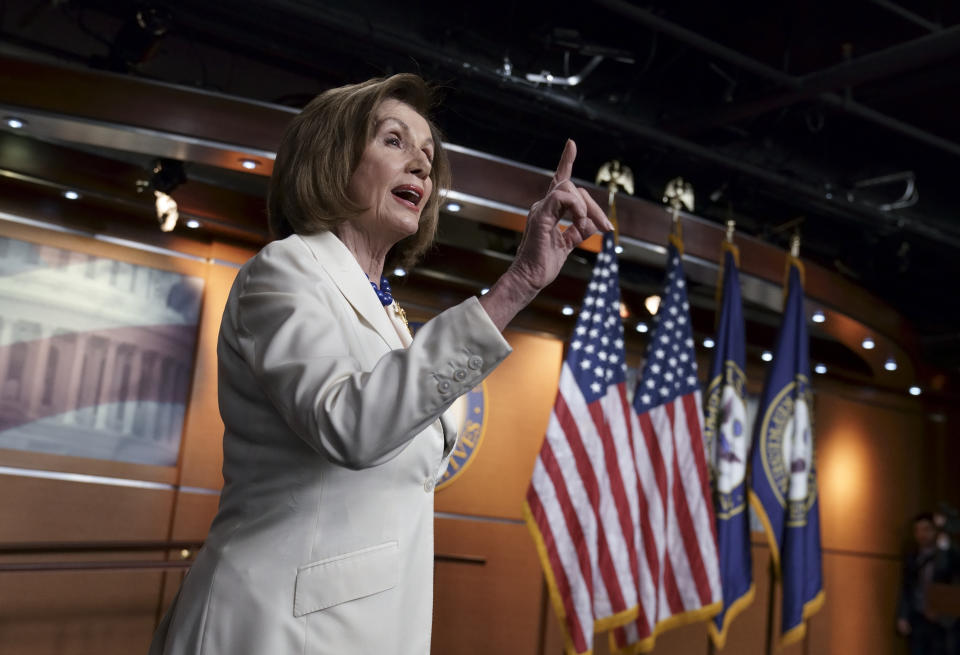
(583, 505)
(679, 570)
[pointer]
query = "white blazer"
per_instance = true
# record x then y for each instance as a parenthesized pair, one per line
(323, 542)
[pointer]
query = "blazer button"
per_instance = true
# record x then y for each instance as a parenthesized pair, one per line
(428, 485)
(459, 375)
(475, 362)
(444, 387)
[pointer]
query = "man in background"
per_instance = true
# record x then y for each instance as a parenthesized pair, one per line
(931, 560)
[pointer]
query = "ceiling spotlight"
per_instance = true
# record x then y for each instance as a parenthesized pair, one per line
(453, 207)
(165, 176)
(766, 356)
(71, 194)
(820, 368)
(399, 271)
(914, 390)
(819, 317)
(890, 364)
(193, 224)
(709, 343)
(642, 328)
(652, 303)
(14, 122)
(484, 291)
(618, 249)
(249, 164)
(868, 343)
(624, 310)
(167, 212)
(567, 310)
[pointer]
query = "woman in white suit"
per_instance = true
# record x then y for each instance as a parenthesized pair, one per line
(335, 433)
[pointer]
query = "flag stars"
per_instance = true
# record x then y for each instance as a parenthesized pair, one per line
(585, 364)
(598, 372)
(581, 330)
(595, 387)
(589, 348)
(576, 345)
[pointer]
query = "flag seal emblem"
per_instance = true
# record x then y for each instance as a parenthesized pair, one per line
(727, 447)
(471, 412)
(786, 449)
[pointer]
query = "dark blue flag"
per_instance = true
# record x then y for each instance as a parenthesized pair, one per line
(728, 446)
(783, 477)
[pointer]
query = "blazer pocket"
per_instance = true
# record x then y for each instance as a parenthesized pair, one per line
(346, 577)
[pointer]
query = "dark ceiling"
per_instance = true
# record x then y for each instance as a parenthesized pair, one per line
(839, 118)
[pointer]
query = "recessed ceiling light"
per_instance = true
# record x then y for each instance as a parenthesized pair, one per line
(193, 224)
(819, 317)
(70, 194)
(618, 249)
(766, 356)
(567, 310)
(709, 343)
(249, 164)
(890, 364)
(820, 368)
(484, 291)
(868, 343)
(399, 271)
(914, 390)
(453, 207)
(642, 328)
(14, 122)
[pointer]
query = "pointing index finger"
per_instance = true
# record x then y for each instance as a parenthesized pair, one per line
(565, 167)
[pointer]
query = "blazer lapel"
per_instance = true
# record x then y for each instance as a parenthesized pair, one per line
(352, 282)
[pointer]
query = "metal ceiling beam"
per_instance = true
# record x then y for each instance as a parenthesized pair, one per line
(651, 20)
(574, 107)
(877, 65)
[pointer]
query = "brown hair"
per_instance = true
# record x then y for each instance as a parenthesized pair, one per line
(321, 148)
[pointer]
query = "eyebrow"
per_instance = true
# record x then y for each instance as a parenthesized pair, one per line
(402, 124)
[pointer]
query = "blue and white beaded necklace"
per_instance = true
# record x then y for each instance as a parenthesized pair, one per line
(385, 295)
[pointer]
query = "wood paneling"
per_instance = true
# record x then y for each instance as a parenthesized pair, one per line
(201, 450)
(78, 613)
(873, 474)
(488, 607)
(520, 396)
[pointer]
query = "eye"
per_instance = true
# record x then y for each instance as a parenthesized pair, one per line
(393, 140)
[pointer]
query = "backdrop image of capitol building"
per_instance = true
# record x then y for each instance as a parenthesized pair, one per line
(95, 354)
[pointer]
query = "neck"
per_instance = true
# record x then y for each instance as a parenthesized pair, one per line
(368, 252)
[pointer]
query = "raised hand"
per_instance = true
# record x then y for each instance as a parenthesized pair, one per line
(544, 246)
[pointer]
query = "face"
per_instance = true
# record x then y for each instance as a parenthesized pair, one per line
(924, 533)
(392, 180)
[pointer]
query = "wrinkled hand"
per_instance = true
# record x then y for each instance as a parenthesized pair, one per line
(544, 246)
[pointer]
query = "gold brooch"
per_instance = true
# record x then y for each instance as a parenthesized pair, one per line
(402, 315)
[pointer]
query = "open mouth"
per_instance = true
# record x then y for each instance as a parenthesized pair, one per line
(409, 193)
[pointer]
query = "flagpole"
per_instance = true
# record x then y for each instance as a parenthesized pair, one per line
(770, 599)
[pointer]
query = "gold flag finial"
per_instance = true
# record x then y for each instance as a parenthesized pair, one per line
(731, 228)
(679, 195)
(795, 245)
(613, 175)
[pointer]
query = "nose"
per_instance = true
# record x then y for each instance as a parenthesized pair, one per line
(419, 165)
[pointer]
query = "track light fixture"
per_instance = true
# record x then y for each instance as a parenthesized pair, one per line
(165, 176)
